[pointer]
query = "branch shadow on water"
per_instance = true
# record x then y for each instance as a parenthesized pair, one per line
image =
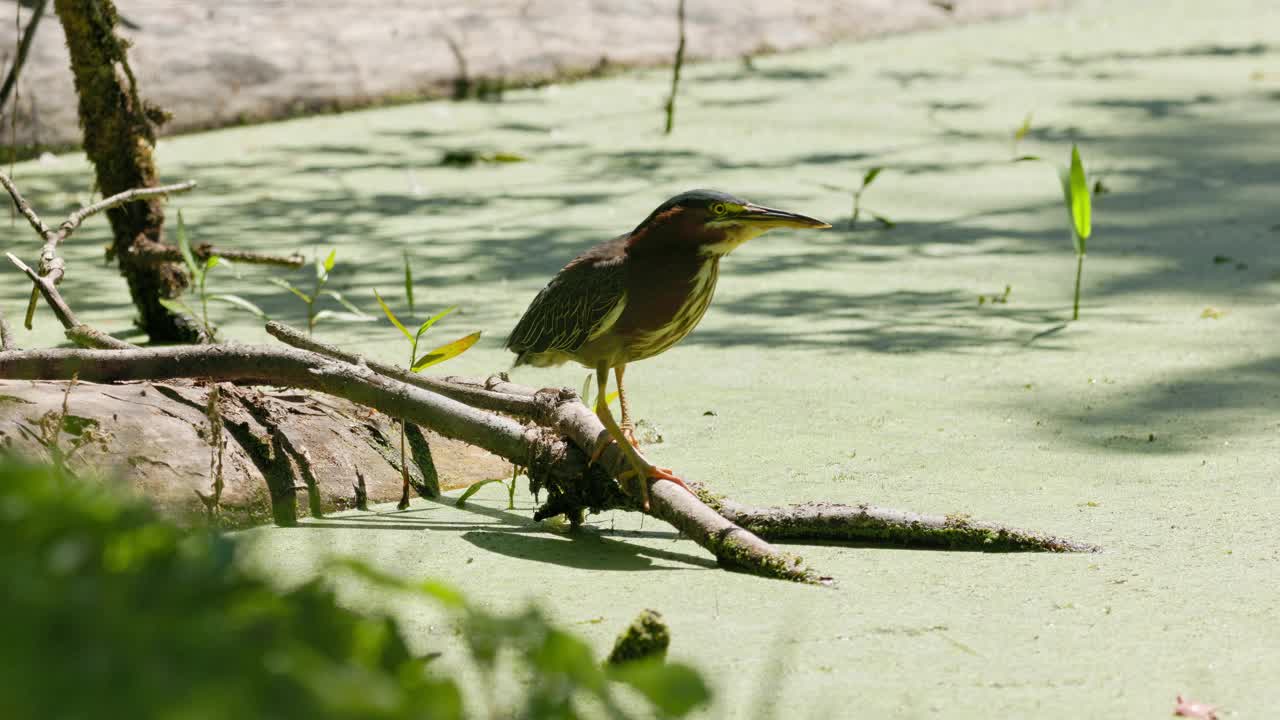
(516, 536)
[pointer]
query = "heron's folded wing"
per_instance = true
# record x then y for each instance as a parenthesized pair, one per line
(580, 303)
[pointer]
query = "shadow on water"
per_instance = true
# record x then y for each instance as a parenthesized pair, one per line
(513, 535)
(889, 322)
(1138, 422)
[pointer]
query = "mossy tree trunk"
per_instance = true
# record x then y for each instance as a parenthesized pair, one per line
(119, 135)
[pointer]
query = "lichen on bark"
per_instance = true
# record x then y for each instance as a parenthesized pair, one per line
(119, 136)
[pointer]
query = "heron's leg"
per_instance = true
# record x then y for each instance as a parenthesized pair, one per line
(628, 427)
(644, 471)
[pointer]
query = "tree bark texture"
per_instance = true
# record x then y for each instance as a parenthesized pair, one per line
(288, 453)
(119, 136)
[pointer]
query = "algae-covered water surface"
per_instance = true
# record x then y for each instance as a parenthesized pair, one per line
(848, 365)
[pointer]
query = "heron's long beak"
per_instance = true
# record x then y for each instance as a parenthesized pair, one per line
(771, 218)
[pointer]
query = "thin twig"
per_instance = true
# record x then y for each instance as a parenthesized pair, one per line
(149, 251)
(74, 219)
(24, 207)
(675, 71)
(24, 46)
(463, 390)
(77, 332)
(52, 268)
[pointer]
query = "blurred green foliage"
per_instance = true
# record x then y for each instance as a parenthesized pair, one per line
(113, 613)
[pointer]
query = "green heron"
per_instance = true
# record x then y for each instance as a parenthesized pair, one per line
(635, 296)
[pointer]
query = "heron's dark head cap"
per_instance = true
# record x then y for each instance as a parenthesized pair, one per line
(715, 221)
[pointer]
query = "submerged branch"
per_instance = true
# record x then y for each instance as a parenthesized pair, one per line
(886, 526)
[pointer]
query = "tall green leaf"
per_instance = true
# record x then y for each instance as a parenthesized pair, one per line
(392, 316)
(472, 490)
(289, 286)
(177, 306)
(240, 303)
(445, 352)
(343, 316)
(1023, 129)
(1080, 203)
(434, 319)
(408, 282)
(870, 177)
(324, 266)
(346, 303)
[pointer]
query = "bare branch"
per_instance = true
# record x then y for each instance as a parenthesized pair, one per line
(90, 337)
(51, 267)
(464, 390)
(77, 332)
(870, 524)
(74, 219)
(51, 295)
(148, 251)
(24, 207)
(265, 365)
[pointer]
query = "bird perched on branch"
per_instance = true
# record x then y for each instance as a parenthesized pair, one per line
(635, 296)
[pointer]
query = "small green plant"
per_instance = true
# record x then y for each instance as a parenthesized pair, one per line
(408, 283)
(1078, 201)
(676, 67)
(996, 299)
(418, 363)
(510, 487)
(1075, 193)
(867, 179)
(1021, 133)
(318, 289)
(199, 279)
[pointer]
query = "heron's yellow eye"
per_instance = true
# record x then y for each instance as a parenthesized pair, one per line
(718, 209)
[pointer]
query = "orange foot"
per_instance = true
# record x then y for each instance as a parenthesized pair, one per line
(661, 473)
(629, 433)
(653, 472)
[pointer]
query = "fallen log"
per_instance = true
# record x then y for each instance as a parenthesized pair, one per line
(287, 454)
